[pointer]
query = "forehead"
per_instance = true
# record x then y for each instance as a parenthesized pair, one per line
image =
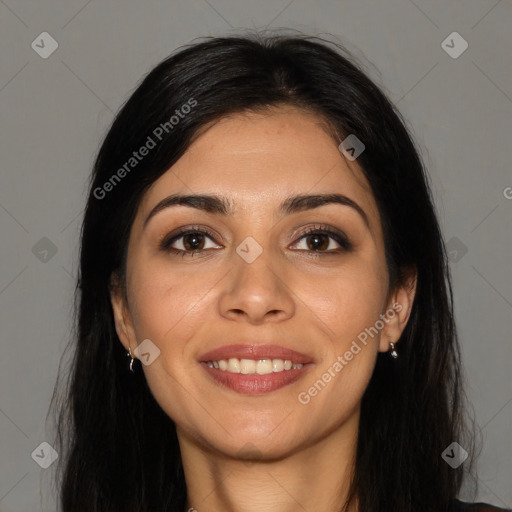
(258, 158)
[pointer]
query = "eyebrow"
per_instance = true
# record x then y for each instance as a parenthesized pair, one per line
(223, 206)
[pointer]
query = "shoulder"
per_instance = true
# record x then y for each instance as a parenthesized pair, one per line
(461, 506)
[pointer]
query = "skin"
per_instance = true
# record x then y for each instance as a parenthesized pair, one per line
(302, 455)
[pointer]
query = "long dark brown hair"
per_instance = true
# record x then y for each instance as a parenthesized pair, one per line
(118, 449)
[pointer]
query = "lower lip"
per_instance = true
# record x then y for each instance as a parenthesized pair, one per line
(254, 384)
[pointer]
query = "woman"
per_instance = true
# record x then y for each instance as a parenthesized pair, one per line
(260, 241)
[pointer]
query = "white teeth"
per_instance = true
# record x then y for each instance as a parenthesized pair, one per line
(277, 365)
(247, 366)
(233, 365)
(264, 366)
(251, 366)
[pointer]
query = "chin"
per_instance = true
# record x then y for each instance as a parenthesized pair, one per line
(262, 442)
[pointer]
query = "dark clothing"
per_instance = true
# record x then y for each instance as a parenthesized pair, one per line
(461, 506)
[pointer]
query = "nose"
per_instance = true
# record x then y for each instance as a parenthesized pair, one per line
(256, 292)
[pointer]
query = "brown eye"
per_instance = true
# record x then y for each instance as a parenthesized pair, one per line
(188, 242)
(193, 241)
(318, 242)
(324, 241)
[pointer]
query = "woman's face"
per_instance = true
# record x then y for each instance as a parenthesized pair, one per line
(258, 278)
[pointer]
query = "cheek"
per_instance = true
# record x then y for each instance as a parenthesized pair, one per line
(335, 392)
(350, 302)
(351, 307)
(170, 310)
(169, 306)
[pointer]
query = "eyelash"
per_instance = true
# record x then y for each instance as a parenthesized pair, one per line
(339, 237)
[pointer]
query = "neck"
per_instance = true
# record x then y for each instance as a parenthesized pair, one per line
(314, 477)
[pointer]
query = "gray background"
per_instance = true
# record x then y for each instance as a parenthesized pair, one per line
(55, 111)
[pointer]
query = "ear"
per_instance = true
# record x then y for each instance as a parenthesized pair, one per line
(122, 317)
(398, 309)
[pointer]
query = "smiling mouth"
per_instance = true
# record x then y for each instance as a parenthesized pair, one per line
(254, 366)
(244, 377)
(255, 369)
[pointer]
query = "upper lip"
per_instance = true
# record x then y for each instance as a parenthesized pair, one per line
(254, 351)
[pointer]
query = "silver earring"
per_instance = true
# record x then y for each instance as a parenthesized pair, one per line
(129, 354)
(394, 353)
